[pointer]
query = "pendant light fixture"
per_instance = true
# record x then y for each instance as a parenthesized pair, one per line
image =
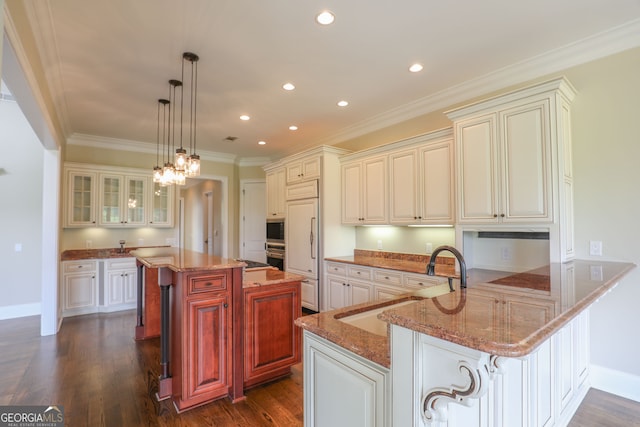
(183, 166)
(193, 162)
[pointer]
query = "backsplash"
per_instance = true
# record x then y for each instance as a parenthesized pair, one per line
(408, 240)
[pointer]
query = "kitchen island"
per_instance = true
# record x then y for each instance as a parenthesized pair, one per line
(512, 349)
(223, 329)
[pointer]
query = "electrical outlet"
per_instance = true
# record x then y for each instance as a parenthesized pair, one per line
(595, 248)
(18, 247)
(429, 248)
(87, 244)
(595, 272)
(505, 254)
(379, 244)
(140, 242)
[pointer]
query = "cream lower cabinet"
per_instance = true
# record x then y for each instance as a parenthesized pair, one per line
(343, 389)
(439, 383)
(79, 287)
(120, 287)
(342, 290)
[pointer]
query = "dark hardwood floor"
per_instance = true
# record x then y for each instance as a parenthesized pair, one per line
(102, 377)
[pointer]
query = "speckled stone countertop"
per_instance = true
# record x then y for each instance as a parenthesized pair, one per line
(412, 263)
(80, 254)
(501, 313)
(265, 276)
(178, 259)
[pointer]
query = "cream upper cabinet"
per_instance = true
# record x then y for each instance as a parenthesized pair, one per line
(421, 184)
(107, 196)
(364, 191)
(276, 186)
(161, 202)
(505, 164)
(123, 200)
(81, 198)
(513, 161)
(303, 170)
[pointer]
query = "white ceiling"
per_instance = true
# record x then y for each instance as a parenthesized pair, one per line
(108, 62)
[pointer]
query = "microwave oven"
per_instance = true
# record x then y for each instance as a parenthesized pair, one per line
(275, 231)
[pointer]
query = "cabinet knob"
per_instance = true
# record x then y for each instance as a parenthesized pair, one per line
(495, 215)
(502, 215)
(208, 284)
(225, 305)
(344, 284)
(420, 283)
(386, 277)
(348, 284)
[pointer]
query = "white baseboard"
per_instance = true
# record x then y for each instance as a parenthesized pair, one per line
(20, 310)
(619, 383)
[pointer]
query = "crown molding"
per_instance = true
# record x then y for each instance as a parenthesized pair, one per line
(102, 142)
(609, 42)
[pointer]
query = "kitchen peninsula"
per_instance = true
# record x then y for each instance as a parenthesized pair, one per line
(223, 329)
(512, 349)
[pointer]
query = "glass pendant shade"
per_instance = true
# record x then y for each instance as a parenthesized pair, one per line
(180, 178)
(180, 159)
(157, 174)
(194, 165)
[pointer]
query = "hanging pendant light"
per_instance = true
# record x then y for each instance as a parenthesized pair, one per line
(193, 162)
(183, 165)
(157, 170)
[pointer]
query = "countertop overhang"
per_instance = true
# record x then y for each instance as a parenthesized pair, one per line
(464, 317)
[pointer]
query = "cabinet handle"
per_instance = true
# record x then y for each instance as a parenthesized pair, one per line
(225, 305)
(420, 283)
(502, 215)
(386, 277)
(208, 284)
(348, 284)
(79, 266)
(495, 215)
(344, 284)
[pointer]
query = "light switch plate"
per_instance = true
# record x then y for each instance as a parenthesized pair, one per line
(595, 248)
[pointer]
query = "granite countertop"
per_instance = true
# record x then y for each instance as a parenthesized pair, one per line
(265, 276)
(412, 263)
(555, 294)
(80, 254)
(180, 260)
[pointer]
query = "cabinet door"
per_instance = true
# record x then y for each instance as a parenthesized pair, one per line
(276, 193)
(359, 292)
(208, 373)
(351, 196)
(115, 288)
(271, 339)
(130, 286)
(81, 203)
(403, 188)
(336, 292)
(375, 190)
(301, 236)
(110, 200)
(310, 294)
(526, 152)
(161, 212)
(477, 168)
(342, 389)
(135, 201)
(437, 183)
(79, 291)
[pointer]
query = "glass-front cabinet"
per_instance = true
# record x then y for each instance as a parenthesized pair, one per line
(115, 197)
(81, 191)
(122, 200)
(161, 212)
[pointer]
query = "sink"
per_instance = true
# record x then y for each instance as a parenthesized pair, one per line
(368, 319)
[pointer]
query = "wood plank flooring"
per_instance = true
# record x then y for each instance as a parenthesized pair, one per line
(102, 377)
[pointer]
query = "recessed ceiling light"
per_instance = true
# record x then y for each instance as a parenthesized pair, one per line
(261, 143)
(293, 127)
(288, 86)
(415, 68)
(244, 117)
(325, 17)
(342, 103)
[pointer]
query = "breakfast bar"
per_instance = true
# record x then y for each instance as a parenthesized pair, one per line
(510, 349)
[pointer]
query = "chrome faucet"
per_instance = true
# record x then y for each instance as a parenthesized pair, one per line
(122, 242)
(431, 267)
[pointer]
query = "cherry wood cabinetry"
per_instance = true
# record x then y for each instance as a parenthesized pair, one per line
(202, 349)
(271, 340)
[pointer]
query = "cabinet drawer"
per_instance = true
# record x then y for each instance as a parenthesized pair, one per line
(359, 272)
(419, 281)
(79, 266)
(208, 283)
(387, 277)
(336, 268)
(121, 263)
